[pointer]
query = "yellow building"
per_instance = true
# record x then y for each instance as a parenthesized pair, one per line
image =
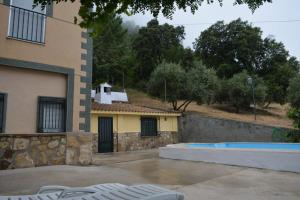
(45, 69)
(127, 127)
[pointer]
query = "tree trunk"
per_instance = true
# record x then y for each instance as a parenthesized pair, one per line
(267, 105)
(186, 105)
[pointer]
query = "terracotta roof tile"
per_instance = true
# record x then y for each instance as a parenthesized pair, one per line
(126, 107)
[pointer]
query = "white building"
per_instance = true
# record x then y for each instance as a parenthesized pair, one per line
(104, 95)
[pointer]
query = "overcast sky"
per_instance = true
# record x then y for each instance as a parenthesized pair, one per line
(279, 10)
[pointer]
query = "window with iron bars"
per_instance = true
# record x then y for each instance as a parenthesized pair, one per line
(26, 21)
(51, 115)
(148, 126)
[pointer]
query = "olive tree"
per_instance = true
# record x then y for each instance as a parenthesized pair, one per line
(198, 84)
(240, 91)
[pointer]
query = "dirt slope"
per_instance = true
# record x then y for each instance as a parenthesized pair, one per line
(275, 115)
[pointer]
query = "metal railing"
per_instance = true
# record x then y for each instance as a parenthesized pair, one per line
(26, 25)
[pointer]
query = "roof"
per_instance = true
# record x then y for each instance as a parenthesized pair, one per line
(105, 85)
(130, 108)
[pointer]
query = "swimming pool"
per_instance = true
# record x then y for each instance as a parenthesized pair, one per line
(275, 156)
(247, 145)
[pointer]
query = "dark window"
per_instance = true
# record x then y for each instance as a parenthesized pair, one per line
(107, 89)
(148, 126)
(2, 103)
(51, 114)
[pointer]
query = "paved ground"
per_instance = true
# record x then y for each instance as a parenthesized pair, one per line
(197, 180)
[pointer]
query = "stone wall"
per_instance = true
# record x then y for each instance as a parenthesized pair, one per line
(194, 127)
(134, 141)
(79, 148)
(33, 150)
(24, 150)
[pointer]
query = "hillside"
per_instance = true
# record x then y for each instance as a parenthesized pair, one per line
(275, 115)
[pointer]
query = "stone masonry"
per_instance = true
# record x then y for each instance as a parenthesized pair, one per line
(33, 150)
(134, 141)
(79, 148)
(20, 151)
(194, 127)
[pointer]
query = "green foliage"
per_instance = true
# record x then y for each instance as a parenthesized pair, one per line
(175, 81)
(222, 95)
(154, 44)
(112, 53)
(294, 114)
(202, 84)
(237, 46)
(276, 69)
(198, 84)
(103, 9)
(230, 48)
(294, 99)
(283, 135)
(240, 92)
(294, 92)
(188, 59)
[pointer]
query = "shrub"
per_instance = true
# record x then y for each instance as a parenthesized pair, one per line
(280, 135)
(294, 114)
(240, 92)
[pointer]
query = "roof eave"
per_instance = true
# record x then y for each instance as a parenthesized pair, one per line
(135, 113)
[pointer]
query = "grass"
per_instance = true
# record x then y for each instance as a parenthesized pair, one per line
(275, 115)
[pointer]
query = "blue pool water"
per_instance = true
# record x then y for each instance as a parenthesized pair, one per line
(248, 145)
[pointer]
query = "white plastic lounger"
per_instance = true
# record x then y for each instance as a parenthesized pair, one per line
(53, 192)
(137, 192)
(101, 192)
(99, 187)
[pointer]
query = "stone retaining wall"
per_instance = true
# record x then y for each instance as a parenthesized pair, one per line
(195, 127)
(24, 150)
(33, 150)
(134, 141)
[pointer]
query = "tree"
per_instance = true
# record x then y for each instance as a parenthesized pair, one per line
(240, 92)
(112, 53)
(176, 82)
(237, 46)
(294, 92)
(187, 59)
(154, 44)
(294, 99)
(198, 84)
(230, 48)
(276, 69)
(202, 84)
(103, 9)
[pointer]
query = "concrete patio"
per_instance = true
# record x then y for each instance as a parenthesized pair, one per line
(196, 179)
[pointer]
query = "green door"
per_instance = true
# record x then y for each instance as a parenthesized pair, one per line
(105, 135)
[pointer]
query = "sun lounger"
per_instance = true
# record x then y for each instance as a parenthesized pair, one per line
(101, 192)
(53, 192)
(99, 187)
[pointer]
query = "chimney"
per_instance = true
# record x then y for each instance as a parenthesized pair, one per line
(103, 94)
